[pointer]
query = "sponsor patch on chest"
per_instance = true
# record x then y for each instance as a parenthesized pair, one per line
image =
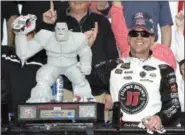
(149, 68)
(133, 98)
(118, 71)
(125, 65)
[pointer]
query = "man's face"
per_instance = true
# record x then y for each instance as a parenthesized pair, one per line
(61, 32)
(79, 6)
(140, 42)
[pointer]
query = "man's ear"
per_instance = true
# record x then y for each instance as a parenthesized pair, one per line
(152, 40)
(128, 39)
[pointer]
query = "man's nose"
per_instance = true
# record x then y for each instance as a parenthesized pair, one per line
(139, 36)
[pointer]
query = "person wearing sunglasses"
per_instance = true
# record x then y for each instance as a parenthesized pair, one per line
(144, 85)
(120, 31)
(143, 34)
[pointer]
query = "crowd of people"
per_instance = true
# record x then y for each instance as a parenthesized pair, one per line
(129, 65)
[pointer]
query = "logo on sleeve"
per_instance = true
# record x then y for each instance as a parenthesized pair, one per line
(172, 80)
(163, 66)
(133, 98)
(125, 65)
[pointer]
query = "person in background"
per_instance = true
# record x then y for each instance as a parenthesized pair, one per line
(181, 91)
(178, 47)
(176, 7)
(181, 84)
(9, 11)
(19, 79)
(101, 7)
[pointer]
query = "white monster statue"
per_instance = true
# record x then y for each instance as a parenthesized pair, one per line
(62, 48)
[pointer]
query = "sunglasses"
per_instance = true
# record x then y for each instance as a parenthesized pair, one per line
(135, 33)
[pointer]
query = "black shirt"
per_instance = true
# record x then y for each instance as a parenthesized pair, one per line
(21, 79)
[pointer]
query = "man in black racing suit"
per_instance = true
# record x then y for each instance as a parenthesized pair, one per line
(145, 86)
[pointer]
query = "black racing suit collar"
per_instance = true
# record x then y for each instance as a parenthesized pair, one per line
(150, 54)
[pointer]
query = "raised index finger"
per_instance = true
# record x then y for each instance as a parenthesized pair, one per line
(51, 5)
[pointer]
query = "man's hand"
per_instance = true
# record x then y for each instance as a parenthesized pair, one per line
(154, 123)
(179, 19)
(117, 3)
(108, 102)
(92, 34)
(50, 16)
(24, 24)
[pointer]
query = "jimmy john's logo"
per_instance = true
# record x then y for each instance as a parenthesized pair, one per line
(133, 98)
(125, 65)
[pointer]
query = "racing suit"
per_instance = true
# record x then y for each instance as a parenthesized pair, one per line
(143, 88)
